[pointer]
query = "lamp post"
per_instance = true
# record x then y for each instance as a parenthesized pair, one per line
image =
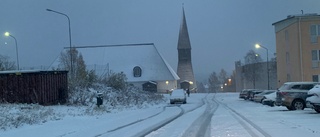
(15, 40)
(71, 62)
(260, 46)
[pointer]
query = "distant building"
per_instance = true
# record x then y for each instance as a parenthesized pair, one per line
(143, 65)
(185, 71)
(298, 48)
(255, 76)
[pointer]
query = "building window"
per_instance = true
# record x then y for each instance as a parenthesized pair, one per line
(315, 58)
(137, 71)
(286, 35)
(288, 77)
(314, 54)
(287, 58)
(314, 33)
(315, 78)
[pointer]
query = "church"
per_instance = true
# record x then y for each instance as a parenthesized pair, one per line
(185, 71)
(143, 65)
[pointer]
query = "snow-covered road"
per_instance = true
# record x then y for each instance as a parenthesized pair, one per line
(217, 115)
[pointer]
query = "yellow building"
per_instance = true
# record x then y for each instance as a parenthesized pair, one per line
(298, 48)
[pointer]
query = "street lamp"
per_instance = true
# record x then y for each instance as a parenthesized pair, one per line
(260, 46)
(71, 62)
(8, 34)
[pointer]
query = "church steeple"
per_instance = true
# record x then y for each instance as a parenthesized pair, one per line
(183, 41)
(185, 71)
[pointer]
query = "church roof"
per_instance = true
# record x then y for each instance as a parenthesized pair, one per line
(184, 41)
(123, 58)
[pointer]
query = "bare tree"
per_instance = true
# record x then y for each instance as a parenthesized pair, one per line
(252, 67)
(252, 57)
(222, 76)
(65, 59)
(79, 77)
(117, 81)
(6, 64)
(214, 82)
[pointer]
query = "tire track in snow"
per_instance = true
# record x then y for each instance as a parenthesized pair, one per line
(146, 132)
(132, 123)
(202, 125)
(159, 125)
(156, 126)
(240, 118)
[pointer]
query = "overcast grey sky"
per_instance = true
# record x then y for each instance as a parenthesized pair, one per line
(221, 31)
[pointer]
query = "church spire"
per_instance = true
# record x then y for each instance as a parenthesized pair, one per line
(185, 71)
(183, 41)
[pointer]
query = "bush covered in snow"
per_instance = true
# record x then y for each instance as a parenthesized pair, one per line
(16, 115)
(115, 99)
(81, 102)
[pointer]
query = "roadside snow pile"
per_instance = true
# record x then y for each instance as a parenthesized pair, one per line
(81, 103)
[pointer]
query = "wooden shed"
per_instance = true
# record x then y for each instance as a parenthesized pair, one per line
(34, 86)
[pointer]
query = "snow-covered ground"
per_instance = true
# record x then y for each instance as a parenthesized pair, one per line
(217, 115)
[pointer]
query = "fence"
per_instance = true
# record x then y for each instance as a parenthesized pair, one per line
(43, 87)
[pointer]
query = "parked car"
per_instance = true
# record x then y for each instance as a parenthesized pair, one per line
(293, 94)
(269, 99)
(313, 99)
(245, 93)
(178, 95)
(259, 97)
(253, 92)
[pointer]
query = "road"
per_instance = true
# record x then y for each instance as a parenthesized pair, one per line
(204, 115)
(223, 114)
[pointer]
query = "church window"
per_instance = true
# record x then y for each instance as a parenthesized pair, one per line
(137, 71)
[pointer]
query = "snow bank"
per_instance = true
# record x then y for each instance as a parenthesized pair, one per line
(82, 103)
(16, 115)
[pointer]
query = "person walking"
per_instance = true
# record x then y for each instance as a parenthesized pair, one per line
(188, 92)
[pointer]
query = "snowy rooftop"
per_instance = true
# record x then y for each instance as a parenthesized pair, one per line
(123, 58)
(26, 71)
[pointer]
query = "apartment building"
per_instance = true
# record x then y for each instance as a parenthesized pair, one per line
(298, 48)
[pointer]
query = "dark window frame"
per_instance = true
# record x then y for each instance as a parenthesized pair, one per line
(137, 71)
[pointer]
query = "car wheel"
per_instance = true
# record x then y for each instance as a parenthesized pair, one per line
(290, 108)
(262, 99)
(317, 110)
(273, 104)
(298, 105)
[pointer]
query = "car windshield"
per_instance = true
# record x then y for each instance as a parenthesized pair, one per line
(285, 87)
(178, 92)
(159, 68)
